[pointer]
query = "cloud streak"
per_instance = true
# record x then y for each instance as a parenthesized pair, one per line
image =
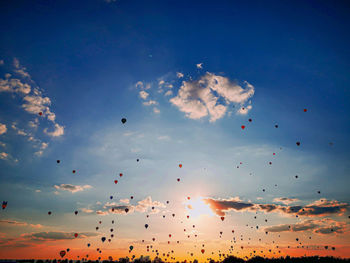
(72, 188)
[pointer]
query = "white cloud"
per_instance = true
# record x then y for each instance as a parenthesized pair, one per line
(179, 75)
(143, 94)
(139, 84)
(59, 131)
(14, 86)
(3, 128)
(72, 188)
(199, 65)
(168, 93)
(38, 191)
(22, 71)
(244, 110)
(150, 102)
(161, 82)
(156, 110)
(202, 97)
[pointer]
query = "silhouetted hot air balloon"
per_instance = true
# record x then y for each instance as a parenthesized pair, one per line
(58, 161)
(88, 244)
(76, 234)
(40, 113)
(123, 120)
(103, 239)
(76, 212)
(62, 253)
(73, 171)
(146, 226)
(49, 213)
(178, 179)
(4, 204)
(126, 210)
(202, 250)
(222, 218)
(298, 143)
(111, 197)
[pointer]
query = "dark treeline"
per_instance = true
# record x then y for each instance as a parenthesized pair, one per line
(230, 259)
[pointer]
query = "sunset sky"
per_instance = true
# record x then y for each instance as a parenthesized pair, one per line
(236, 134)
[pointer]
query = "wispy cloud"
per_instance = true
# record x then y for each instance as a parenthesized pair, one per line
(72, 188)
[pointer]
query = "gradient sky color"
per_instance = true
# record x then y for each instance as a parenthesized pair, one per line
(187, 75)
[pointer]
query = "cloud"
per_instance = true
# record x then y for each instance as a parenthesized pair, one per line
(220, 206)
(7, 157)
(72, 188)
(199, 65)
(19, 69)
(18, 223)
(3, 128)
(58, 131)
(210, 95)
(168, 93)
(318, 208)
(2, 62)
(14, 86)
(87, 210)
(150, 102)
(54, 236)
(323, 227)
(179, 75)
(33, 100)
(142, 207)
(156, 110)
(143, 94)
(285, 200)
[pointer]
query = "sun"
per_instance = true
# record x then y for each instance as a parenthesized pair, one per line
(196, 207)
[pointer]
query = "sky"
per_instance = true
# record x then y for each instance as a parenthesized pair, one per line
(236, 138)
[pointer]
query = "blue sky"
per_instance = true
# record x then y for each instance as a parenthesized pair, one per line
(97, 62)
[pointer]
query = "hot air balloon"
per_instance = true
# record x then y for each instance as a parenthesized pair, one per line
(4, 204)
(40, 113)
(88, 244)
(49, 213)
(146, 226)
(73, 171)
(298, 143)
(123, 120)
(76, 212)
(103, 239)
(180, 165)
(178, 179)
(62, 253)
(243, 127)
(58, 161)
(126, 210)
(115, 181)
(222, 218)
(131, 248)
(202, 250)
(76, 234)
